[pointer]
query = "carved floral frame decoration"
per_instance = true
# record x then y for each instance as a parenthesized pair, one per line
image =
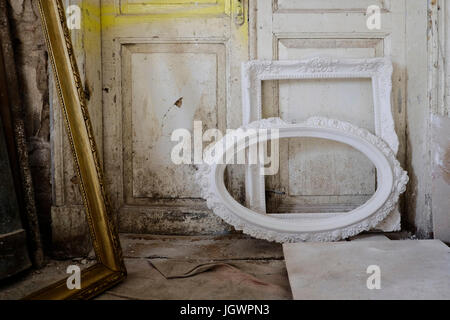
(379, 70)
(392, 180)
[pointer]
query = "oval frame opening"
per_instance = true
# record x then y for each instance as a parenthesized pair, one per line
(391, 179)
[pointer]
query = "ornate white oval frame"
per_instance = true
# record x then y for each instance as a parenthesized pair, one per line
(391, 177)
(379, 70)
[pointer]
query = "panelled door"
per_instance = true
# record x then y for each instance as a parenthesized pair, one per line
(317, 175)
(166, 64)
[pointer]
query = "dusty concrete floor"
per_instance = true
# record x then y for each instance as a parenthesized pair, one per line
(239, 268)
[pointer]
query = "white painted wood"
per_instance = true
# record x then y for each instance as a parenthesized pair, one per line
(439, 49)
(154, 53)
(427, 40)
(167, 6)
(152, 117)
(420, 104)
(439, 43)
(291, 227)
(330, 5)
(293, 30)
(444, 33)
(315, 30)
(377, 70)
(440, 182)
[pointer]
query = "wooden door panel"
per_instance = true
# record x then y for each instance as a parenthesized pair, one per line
(155, 53)
(175, 7)
(347, 178)
(318, 176)
(329, 5)
(155, 76)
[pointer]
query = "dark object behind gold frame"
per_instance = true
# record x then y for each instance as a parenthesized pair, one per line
(13, 123)
(110, 268)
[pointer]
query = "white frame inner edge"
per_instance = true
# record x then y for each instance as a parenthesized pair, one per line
(392, 180)
(379, 70)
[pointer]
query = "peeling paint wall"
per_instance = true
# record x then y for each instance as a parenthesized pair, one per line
(428, 91)
(418, 210)
(32, 68)
(440, 191)
(440, 121)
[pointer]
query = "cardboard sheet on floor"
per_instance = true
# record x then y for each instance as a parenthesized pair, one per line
(189, 279)
(409, 269)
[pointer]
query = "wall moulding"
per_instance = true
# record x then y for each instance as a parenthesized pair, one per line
(181, 8)
(294, 227)
(347, 6)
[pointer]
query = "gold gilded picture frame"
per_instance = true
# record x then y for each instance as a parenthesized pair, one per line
(110, 268)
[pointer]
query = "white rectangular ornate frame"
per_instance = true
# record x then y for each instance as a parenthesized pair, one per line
(379, 70)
